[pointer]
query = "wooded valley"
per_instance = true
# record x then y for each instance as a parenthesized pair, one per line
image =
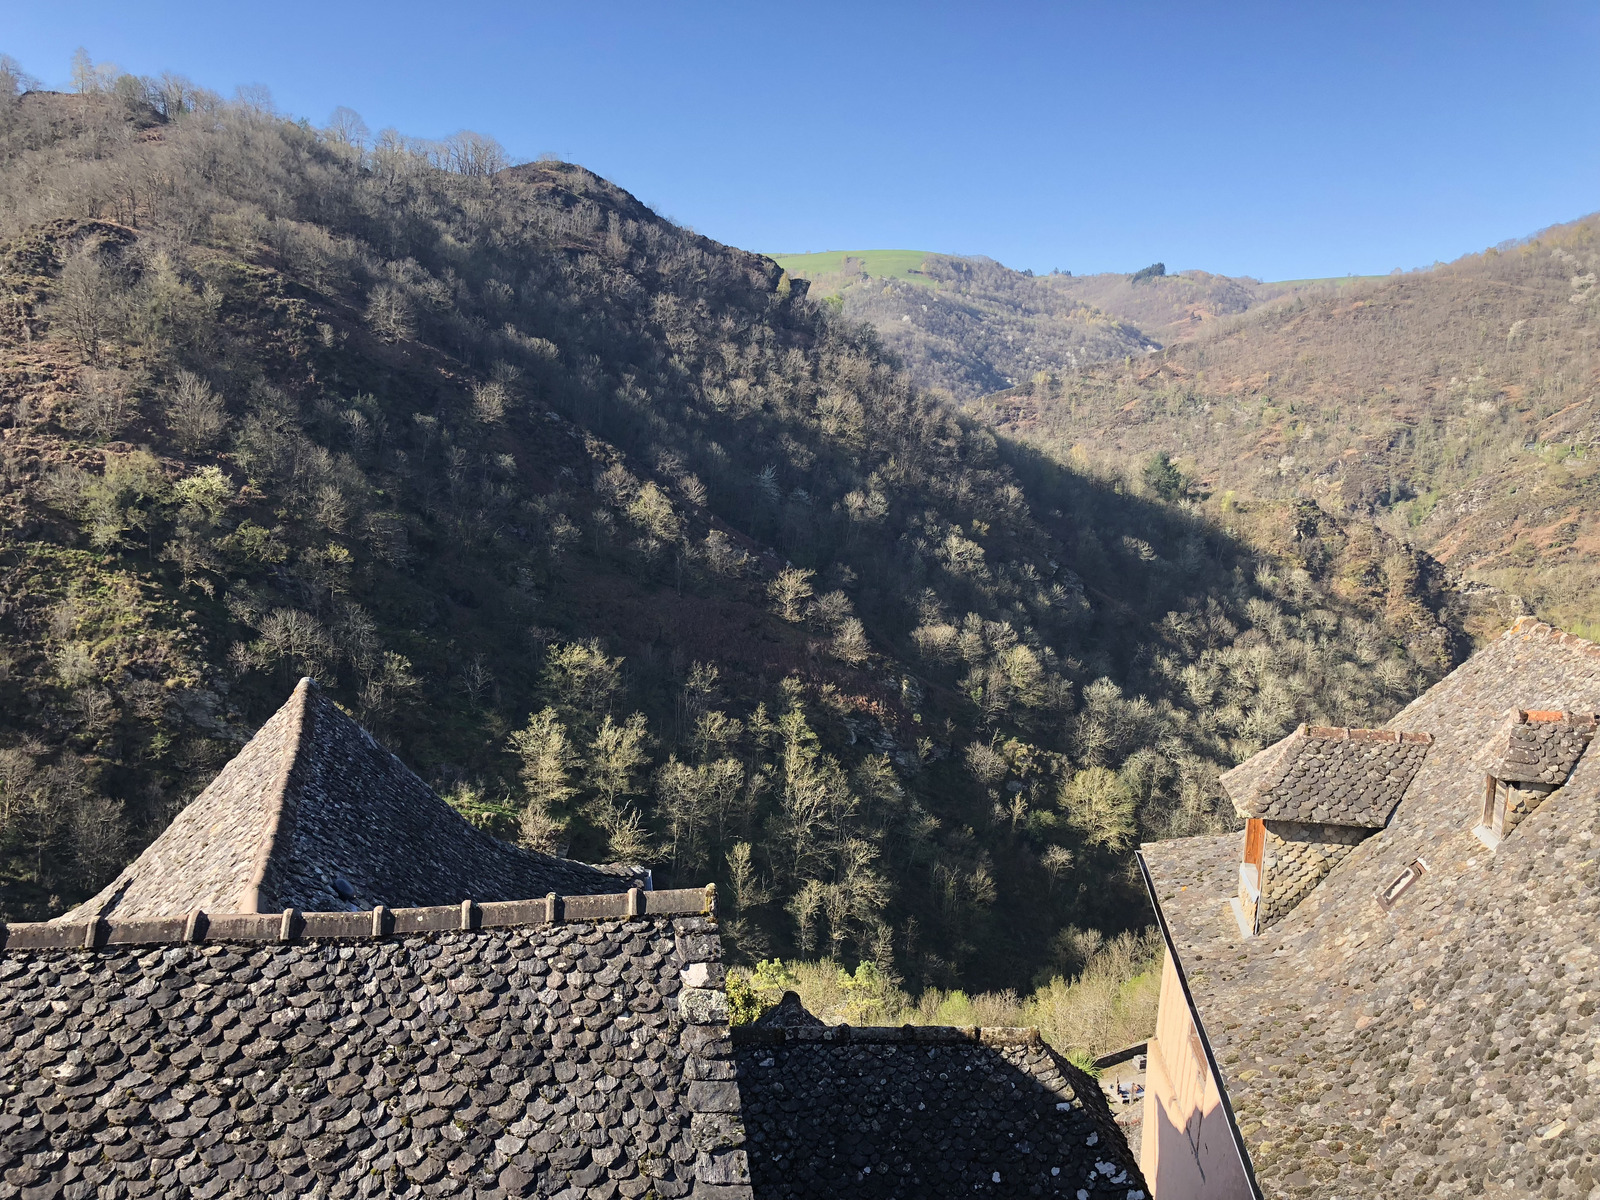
(625, 543)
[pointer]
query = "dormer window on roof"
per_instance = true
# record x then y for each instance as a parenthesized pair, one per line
(1528, 757)
(1308, 801)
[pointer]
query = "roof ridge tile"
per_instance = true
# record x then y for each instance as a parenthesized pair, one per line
(301, 719)
(218, 928)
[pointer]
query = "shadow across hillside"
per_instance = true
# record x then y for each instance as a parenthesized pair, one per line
(625, 544)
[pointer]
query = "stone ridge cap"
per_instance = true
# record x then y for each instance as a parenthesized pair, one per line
(291, 925)
(1346, 733)
(925, 1035)
(302, 719)
(1520, 716)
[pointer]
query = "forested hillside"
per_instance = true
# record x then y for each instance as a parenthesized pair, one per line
(624, 543)
(971, 326)
(1457, 407)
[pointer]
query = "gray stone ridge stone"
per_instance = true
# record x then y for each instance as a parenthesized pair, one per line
(1329, 776)
(924, 1112)
(314, 814)
(1442, 1044)
(587, 1060)
(1540, 747)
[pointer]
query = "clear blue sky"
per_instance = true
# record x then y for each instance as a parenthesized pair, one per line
(1279, 140)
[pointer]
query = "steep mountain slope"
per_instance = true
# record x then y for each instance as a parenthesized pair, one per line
(971, 326)
(518, 469)
(1456, 406)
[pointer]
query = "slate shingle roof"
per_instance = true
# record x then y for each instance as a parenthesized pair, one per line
(1445, 1046)
(314, 814)
(1328, 776)
(578, 1060)
(179, 1036)
(1539, 747)
(840, 1112)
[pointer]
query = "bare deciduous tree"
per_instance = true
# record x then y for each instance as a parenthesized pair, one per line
(104, 403)
(85, 304)
(789, 590)
(473, 154)
(390, 314)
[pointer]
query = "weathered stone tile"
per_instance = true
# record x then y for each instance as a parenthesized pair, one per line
(1444, 1044)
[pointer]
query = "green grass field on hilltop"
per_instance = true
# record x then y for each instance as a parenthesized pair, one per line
(907, 265)
(878, 264)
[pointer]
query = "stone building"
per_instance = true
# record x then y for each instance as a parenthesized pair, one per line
(1414, 1012)
(321, 981)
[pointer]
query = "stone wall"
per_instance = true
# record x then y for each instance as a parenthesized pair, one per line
(1299, 856)
(586, 1059)
(1516, 802)
(927, 1113)
(1249, 896)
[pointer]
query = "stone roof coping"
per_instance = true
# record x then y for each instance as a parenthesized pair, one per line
(292, 925)
(920, 1035)
(1343, 733)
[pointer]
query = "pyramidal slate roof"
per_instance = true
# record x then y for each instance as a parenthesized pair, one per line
(1444, 1045)
(1328, 776)
(315, 814)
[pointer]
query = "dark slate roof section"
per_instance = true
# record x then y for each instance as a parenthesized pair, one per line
(580, 1060)
(927, 1112)
(1328, 776)
(314, 814)
(1540, 747)
(1444, 1042)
